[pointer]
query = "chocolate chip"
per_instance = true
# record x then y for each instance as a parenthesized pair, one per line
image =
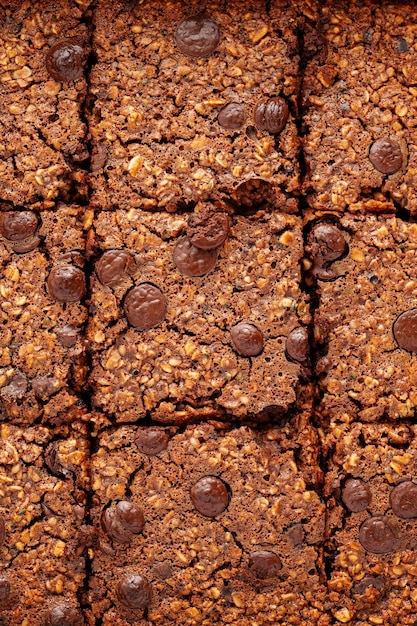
(402, 45)
(197, 36)
(5, 589)
(68, 335)
(62, 615)
(297, 346)
(210, 496)
(145, 306)
(207, 228)
(247, 340)
(377, 535)
(405, 330)
(66, 283)
(44, 387)
(134, 591)
(98, 157)
(16, 388)
(121, 520)
(28, 245)
(162, 570)
(232, 116)
(296, 534)
(356, 495)
(386, 156)
(151, 441)
(377, 582)
(52, 461)
(2, 530)
(112, 265)
(192, 261)
(272, 115)
(403, 500)
(327, 243)
(66, 60)
(264, 564)
(18, 225)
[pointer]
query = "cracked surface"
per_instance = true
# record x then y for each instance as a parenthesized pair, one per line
(198, 566)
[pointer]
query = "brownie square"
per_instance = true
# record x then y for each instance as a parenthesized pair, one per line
(43, 498)
(42, 351)
(180, 333)
(205, 526)
(194, 101)
(359, 107)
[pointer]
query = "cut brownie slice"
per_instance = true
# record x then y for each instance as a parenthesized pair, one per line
(42, 352)
(372, 523)
(194, 101)
(203, 527)
(360, 107)
(43, 56)
(186, 332)
(366, 319)
(44, 483)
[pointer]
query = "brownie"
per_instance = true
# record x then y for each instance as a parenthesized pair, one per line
(371, 529)
(205, 526)
(359, 107)
(44, 52)
(365, 324)
(181, 332)
(42, 350)
(194, 102)
(43, 534)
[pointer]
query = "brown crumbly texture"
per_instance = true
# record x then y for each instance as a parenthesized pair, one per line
(364, 587)
(363, 373)
(198, 566)
(186, 368)
(156, 139)
(44, 483)
(359, 86)
(41, 127)
(40, 372)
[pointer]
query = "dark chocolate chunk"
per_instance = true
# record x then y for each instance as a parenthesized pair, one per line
(247, 339)
(121, 520)
(62, 615)
(327, 243)
(112, 265)
(2, 530)
(386, 156)
(66, 60)
(134, 591)
(66, 283)
(297, 345)
(27, 246)
(98, 157)
(18, 225)
(17, 386)
(405, 330)
(131, 516)
(145, 306)
(210, 496)
(356, 495)
(52, 461)
(377, 582)
(197, 36)
(232, 116)
(272, 115)
(207, 228)
(377, 535)
(68, 335)
(402, 45)
(264, 564)
(192, 261)
(151, 441)
(403, 500)
(5, 589)
(44, 387)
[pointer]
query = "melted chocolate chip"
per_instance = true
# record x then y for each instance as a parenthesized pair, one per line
(405, 330)
(5, 589)
(151, 441)
(68, 335)
(145, 306)
(403, 500)
(297, 346)
(2, 530)
(327, 244)
(264, 564)
(207, 228)
(66, 283)
(377, 535)
(192, 261)
(62, 615)
(28, 245)
(272, 115)
(377, 582)
(121, 520)
(18, 225)
(112, 265)
(210, 496)
(16, 388)
(356, 495)
(296, 534)
(197, 36)
(131, 516)
(386, 156)
(66, 60)
(247, 340)
(232, 116)
(162, 570)
(134, 591)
